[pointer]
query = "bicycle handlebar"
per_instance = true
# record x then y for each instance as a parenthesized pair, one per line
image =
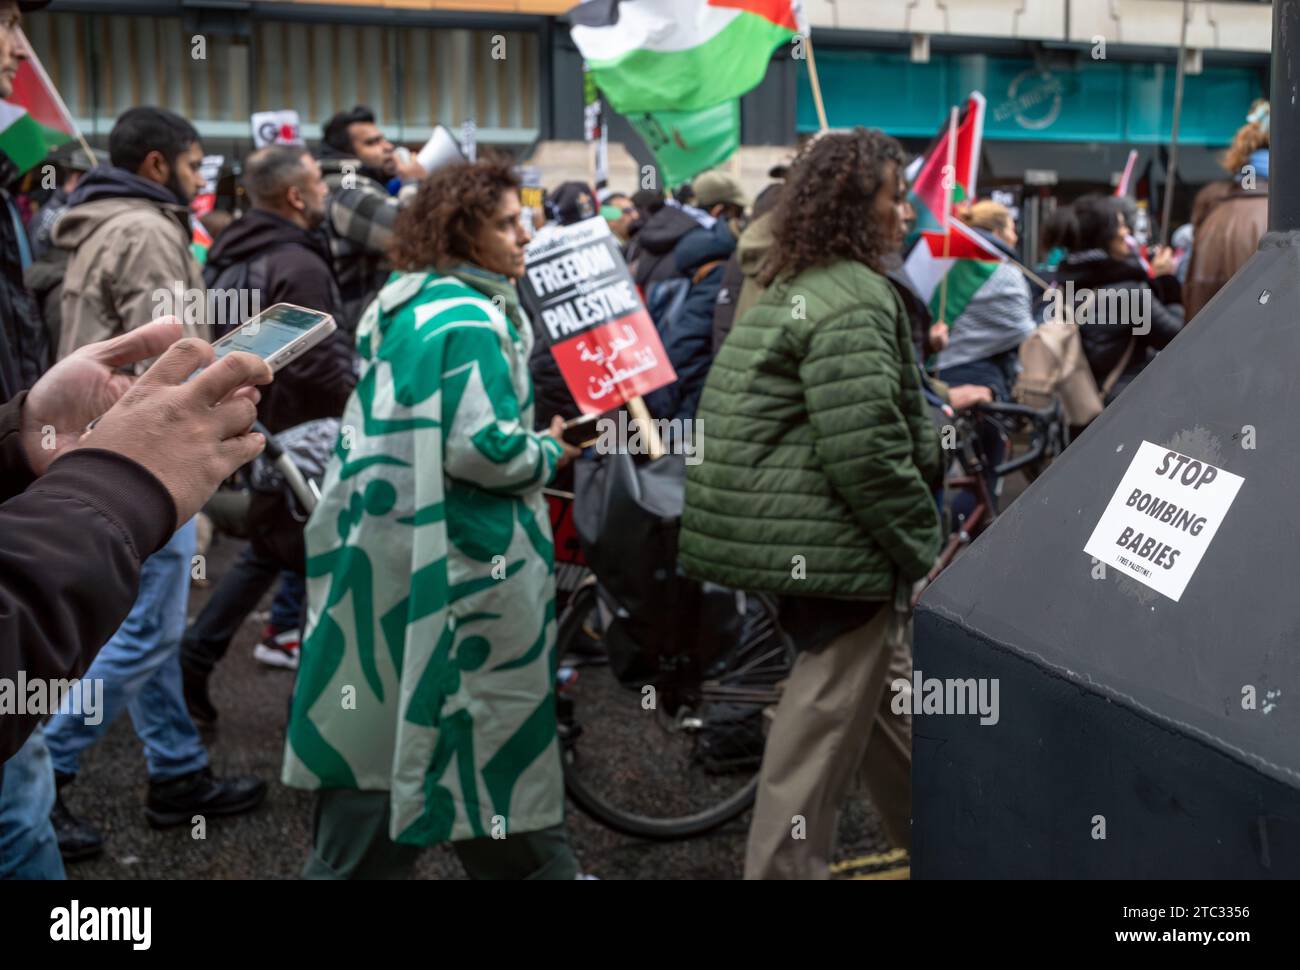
(1041, 421)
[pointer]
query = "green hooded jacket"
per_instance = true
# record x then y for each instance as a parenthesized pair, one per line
(821, 456)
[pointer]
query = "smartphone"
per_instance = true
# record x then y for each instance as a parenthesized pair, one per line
(279, 334)
(581, 432)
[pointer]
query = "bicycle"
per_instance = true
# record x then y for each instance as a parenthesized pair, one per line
(693, 765)
(711, 729)
(1048, 435)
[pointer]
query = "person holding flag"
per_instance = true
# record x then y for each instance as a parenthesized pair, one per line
(989, 306)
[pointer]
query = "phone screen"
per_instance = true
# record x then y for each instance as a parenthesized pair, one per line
(269, 332)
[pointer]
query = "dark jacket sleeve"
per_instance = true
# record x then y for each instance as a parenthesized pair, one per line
(1167, 289)
(70, 567)
(724, 306)
(1166, 322)
(690, 343)
(15, 473)
(550, 393)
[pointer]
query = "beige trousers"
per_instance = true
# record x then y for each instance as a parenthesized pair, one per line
(833, 722)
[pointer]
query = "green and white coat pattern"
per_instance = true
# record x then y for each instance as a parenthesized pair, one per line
(428, 663)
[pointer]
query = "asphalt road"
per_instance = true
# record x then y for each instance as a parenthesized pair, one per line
(272, 842)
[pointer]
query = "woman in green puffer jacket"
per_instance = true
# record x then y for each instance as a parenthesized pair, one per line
(818, 487)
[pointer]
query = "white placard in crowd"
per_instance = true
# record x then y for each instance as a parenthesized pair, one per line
(276, 128)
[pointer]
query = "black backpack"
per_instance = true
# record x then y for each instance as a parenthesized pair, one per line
(666, 628)
(246, 276)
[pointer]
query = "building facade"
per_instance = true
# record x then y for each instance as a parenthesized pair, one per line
(1071, 85)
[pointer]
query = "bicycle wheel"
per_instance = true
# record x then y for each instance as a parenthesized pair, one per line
(684, 766)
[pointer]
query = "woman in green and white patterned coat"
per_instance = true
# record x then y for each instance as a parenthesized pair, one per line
(424, 707)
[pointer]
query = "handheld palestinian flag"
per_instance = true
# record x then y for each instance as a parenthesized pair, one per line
(686, 143)
(34, 118)
(967, 261)
(680, 55)
(676, 68)
(929, 194)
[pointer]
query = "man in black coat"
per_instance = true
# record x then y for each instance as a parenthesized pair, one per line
(274, 250)
(277, 251)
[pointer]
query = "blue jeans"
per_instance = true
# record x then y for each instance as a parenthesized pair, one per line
(28, 847)
(141, 670)
(286, 608)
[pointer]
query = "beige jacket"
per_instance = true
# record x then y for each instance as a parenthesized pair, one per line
(131, 261)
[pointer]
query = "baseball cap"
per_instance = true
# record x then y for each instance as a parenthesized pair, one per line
(716, 187)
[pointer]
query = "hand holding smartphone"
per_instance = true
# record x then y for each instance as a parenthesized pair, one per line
(279, 334)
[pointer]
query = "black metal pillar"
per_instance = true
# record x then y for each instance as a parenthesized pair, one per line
(1284, 105)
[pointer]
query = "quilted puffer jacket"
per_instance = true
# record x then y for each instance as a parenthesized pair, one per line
(819, 456)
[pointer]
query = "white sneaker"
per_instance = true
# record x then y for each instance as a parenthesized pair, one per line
(279, 651)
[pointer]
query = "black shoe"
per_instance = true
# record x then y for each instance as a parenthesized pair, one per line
(77, 839)
(194, 685)
(177, 800)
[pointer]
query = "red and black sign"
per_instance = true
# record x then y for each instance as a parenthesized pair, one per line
(577, 287)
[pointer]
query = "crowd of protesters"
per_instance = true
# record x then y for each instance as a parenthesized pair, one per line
(822, 435)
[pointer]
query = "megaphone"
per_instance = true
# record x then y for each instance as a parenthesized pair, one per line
(441, 149)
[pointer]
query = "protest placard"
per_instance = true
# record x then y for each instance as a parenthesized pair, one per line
(577, 287)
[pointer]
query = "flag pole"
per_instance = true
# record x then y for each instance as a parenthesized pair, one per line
(1172, 174)
(45, 78)
(949, 180)
(636, 406)
(816, 84)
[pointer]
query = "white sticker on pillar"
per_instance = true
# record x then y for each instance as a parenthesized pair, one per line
(1162, 518)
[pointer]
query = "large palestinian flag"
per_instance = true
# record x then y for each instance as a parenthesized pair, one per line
(965, 257)
(680, 55)
(33, 119)
(926, 173)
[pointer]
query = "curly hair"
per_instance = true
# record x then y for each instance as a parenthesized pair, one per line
(825, 213)
(1249, 138)
(437, 229)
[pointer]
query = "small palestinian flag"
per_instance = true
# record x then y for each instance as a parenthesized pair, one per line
(680, 55)
(926, 173)
(968, 262)
(200, 240)
(33, 119)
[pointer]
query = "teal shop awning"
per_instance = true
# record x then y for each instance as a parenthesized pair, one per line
(1094, 101)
